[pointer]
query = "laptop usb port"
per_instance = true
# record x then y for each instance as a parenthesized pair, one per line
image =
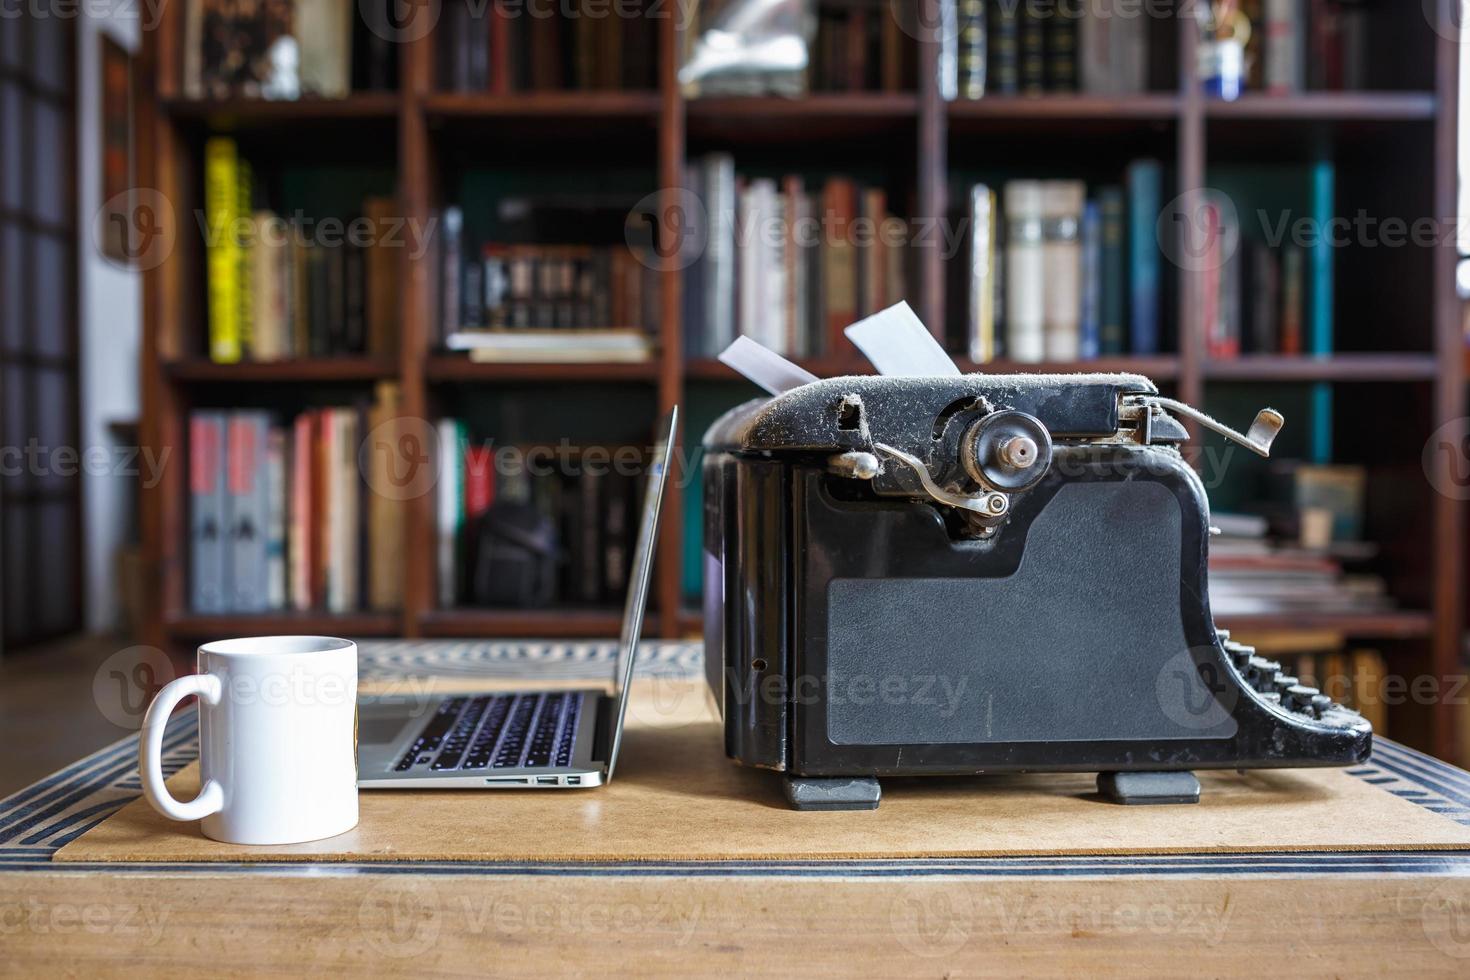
(574, 780)
(546, 780)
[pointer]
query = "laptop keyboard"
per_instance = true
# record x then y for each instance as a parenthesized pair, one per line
(496, 731)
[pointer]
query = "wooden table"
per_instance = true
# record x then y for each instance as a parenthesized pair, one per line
(1210, 911)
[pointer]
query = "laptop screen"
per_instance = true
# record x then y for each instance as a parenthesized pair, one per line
(637, 600)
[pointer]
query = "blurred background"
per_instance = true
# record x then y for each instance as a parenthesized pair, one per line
(311, 306)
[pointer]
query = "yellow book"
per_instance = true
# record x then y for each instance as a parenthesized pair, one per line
(222, 251)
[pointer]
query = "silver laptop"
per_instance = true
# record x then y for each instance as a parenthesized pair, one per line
(540, 739)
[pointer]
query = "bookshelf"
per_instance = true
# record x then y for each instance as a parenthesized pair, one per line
(1414, 372)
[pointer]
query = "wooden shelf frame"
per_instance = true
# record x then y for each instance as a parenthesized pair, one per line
(167, 122)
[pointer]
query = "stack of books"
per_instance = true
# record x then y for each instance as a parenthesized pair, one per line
(590, 503)
(1016, 47)
(1253, 574)
(282, 517)
(281, 288)
(1264, 296)
(505, 46)
(860, 45)
(544, 303)
(1057, 276)
(1308, 45)
(788, 265)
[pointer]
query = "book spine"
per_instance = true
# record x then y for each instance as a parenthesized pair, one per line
(1090, 340)
(385, 510)
(208, 516)
(303, 527)
(1285, 23)
(1211, 322)
(589, 570)
(267, 339)
(1112, 331)
(1004, 35)
(1324, 197)
(1032, 39)
(244, 286)
(249, 511)
(719, 285)
(450, 511)
(1025, 272)
(981, 326)
(972, 49)
(1145, 179)
(451, 264)
(1062, 204)
(839, 262)
(276, 507)
(343, 501)
(1266, 301)
(1293, 296)
(1061, 46)
(222, 259)
(479, 480)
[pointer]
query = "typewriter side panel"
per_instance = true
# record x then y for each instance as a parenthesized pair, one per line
(746, 625)
(1078, 638)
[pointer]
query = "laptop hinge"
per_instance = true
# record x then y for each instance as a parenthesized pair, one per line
(602, 737)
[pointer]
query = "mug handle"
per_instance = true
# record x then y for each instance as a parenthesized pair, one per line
(211, 798)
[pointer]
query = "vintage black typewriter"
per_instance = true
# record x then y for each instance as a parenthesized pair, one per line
(983, 574)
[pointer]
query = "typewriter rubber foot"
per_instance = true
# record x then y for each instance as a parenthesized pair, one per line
(1142, 788)
(813, 793)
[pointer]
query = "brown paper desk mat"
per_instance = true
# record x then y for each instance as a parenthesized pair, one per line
(676, 798)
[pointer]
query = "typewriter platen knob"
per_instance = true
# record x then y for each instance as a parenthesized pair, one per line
(1007, 451)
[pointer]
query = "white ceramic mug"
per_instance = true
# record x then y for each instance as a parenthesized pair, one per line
(277, 740)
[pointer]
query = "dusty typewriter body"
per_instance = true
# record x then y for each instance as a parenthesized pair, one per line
(982, 574)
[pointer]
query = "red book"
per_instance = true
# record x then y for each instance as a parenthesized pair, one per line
(479, 481)
(499, 49)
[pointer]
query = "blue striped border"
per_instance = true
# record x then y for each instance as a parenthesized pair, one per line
(45, 816)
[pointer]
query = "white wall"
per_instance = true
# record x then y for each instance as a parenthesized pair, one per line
(111, 313)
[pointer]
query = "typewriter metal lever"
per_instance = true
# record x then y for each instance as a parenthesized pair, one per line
(1257, 438)
(989, 507)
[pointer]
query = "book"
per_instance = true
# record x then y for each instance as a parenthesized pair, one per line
(839, 262)
(1089, 343)
(1031, 37)
(1320, 261)
(223, 254)
(343, 488)
(1145, 199)
(1062, 202)
(208, 513)
(1285, 46)
(323, 32)
(384, 506)
(302, 549)
(268, 257)
(1061, 45)
(449, 509)
(383, 272)
(1003, 64)
(1293, 298)
(983, 247)
(1113, 51)
(972, 48)
(248, 508)
(277, 505)
(1112, 327)
(1025, 271)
